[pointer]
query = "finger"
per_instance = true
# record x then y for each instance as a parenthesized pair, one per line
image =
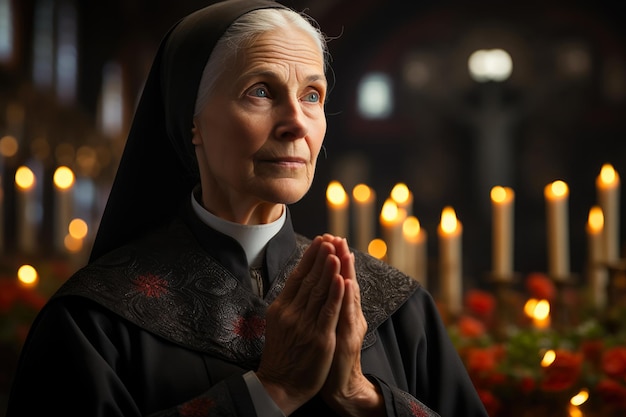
(292, 285)
(318, 277)
(328, 314)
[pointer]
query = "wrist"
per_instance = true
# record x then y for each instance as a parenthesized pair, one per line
(287, 401)
(364, 401)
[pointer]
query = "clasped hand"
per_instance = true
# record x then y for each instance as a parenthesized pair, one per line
(314, 333)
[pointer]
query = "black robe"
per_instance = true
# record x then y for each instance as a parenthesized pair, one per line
(167, 326)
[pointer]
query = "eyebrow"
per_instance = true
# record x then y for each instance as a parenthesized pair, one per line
(274, 75)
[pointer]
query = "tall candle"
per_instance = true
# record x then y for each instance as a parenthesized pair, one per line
(63, 182)
(608, 190)
(556, 195)
(415, 238)
(337, 201)
(450, 234)
(391, 218)
(364, 216)
(597, 274)
(26, 209)
(502, 199)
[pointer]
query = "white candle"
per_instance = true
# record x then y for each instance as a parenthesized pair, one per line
(608, 190)
(64, 205)
(556, 195)
(415, 238)
(502, 199)
(26, 210)
(597, 273)
(391, 218)
(450, 234)
(337, 201)
(364, 216)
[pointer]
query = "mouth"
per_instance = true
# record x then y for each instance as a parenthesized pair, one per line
(287, 162)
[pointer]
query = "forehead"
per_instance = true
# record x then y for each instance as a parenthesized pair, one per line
(286, 46)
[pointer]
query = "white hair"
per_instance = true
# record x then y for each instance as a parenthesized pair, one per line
(243, 32)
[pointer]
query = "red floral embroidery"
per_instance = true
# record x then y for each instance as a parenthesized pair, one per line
(198, 407)
(250, 328)
(417, 410)
(151, 285)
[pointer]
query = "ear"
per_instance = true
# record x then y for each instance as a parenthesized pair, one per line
(196, 137)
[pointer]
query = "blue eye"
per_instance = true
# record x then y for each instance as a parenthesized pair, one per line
(313, 97)
(259, 92)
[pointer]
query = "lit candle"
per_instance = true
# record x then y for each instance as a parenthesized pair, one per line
(391, 218)
(364, 216)
(450, 234)
(378, 249)
(26, 209)
(403, 197)
(415, 239)
(337, 200)
(27, 276)
(597, 274)
(502, 250)
(539, 312)
(63, 181)
(556, 195)
(608, 189)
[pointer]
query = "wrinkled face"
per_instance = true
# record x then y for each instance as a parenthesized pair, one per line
(260, 133)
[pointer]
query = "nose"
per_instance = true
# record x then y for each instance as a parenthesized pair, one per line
(292, 122)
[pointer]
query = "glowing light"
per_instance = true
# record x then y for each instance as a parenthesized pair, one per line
(27, 275)
(72, 244)
(336, 194)
(541, 310)
(580, 398)
(500, 194)
(608, 174)
(63, 177)
(548, 358)
(377, 248)
(8, 146)
(362, 193)
(389, 212)
(400, 193)
(24, 178)
(490, 65)
(559, 188)
(449, 221)
(78, 228)
(596, 219)
(411, 228)
(375, 98)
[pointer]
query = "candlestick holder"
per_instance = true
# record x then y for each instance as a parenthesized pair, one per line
(507, 300)
(561, 310)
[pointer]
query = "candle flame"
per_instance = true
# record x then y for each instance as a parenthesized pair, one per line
(362, 193)
(400, 193)
(377, 248)
(580, 398)
(63, 177)
(608, 175)
(24, 178)
(449, 221)
(78, 228)
(336, 194)
(501, 194)
(548, 358)
(27, 275)
(411, 227)
(596, 219)
(559, 188)
(390, 211)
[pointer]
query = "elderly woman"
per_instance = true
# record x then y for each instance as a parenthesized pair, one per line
(199, 298)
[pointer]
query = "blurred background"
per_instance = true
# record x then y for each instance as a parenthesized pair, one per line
(411, 102)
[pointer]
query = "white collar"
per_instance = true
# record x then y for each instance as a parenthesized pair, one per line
(252, 238)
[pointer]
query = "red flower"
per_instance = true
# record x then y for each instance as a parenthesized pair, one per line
(592, 351)
(250, 328)
(471, 327)
(563, 372)
(527, 384)
(481, 361)
(198, 407)
(491, 403)
(613, 393)
(151, 286)
(480, 303)
(614, 362)
(540, 286)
